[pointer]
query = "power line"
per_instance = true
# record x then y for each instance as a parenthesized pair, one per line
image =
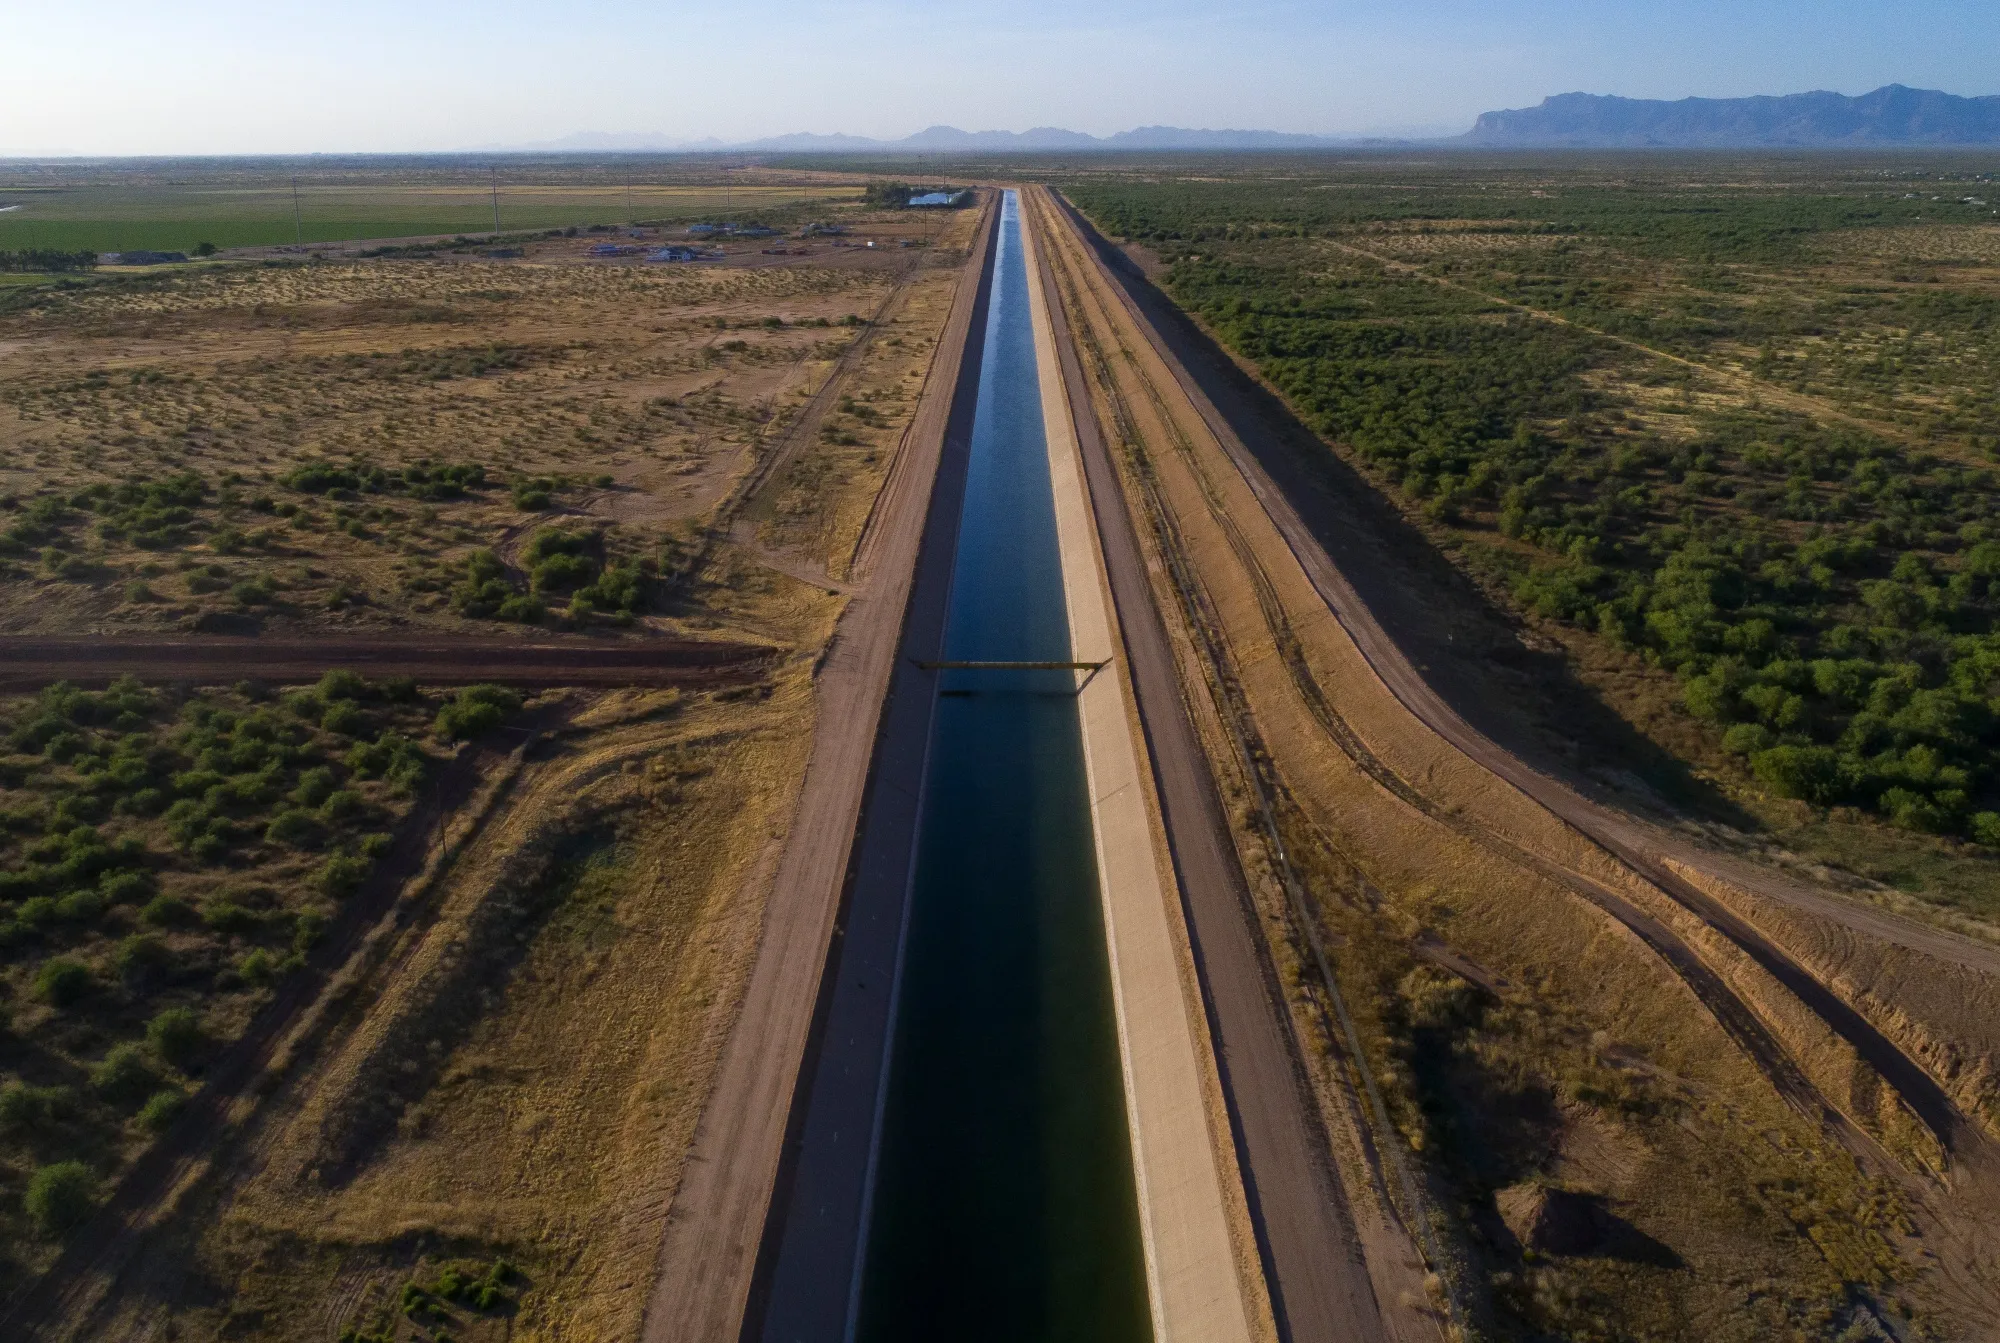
(298, 214)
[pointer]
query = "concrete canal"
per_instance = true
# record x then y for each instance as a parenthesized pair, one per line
(1004, 1205)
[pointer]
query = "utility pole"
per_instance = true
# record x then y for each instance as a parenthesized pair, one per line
(298, 215)
(496, 198)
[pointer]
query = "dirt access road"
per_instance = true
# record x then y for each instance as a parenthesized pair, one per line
(1621, 863)
(430, 661)
(716, 1223)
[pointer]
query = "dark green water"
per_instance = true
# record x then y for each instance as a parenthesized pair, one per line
(1004, 1205)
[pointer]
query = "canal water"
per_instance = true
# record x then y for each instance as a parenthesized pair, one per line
(1004, 1206)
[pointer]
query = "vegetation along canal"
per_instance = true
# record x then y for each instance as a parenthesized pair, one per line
(1004, 1205)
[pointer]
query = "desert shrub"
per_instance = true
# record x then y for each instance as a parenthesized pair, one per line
(342, 805)
(124, 1077)
(423, 480)
(161, 1109)
(559, 559)
(533, 494)
(620, 588)
(482, 1289)
(294, 827)
(1810, 773)
(342, 684)
(177, 1036)
(169, 911)
(226, 918)
(62, 982)
(34, 915)
(484, 593)
(80, 907)
(124, 888)
(34, 1110)
(316, 784)
(475, 710)
(308, 931)
(141, 958)
(258, 967)
(253, 591)
(344, 718)
(341, 874)
(60, 1196)
(390, 756)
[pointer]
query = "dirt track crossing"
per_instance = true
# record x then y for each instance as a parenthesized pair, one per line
(658, 662)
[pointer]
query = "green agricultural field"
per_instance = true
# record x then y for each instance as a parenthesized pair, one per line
(130, 213)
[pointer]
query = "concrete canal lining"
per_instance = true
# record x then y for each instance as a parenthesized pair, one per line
(1196, 1292)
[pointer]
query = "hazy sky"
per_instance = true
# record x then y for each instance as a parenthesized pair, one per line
(230, 76)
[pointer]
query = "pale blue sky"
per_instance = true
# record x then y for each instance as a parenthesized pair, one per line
(232, 76)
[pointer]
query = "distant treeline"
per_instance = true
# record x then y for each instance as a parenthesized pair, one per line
(46, 259)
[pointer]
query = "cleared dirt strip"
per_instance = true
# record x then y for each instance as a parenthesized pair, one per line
(33, 662)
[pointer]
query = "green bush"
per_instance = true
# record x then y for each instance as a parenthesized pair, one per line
(62, 982)
(169, 911)
(258, 968)
(294, 827)
(141, 958)
(177, 1036)
(124, 1077)
(342, 805)
(225, 917)
(316, 783)
(475, 710)
(38, 912)
(60, 1197)
(124, 888)
(342, 684)
(34, 1110)
(1810, 773)
(533, 495)
(390, 756)
(161, 1109)
(342, 873)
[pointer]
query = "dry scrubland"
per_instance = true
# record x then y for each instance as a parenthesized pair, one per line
(1613, 1107)
(477, 1129)
(393, 444)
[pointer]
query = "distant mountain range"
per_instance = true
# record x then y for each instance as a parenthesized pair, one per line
(1891, 115)
(941, 139)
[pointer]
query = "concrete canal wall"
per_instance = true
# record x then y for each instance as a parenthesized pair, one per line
(1196, 1291)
